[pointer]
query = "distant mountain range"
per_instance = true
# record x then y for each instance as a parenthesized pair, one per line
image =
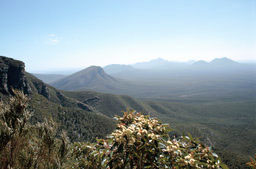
(223, 61)
(154, 64)
(161, 64)
(160, 78)
(217, 62)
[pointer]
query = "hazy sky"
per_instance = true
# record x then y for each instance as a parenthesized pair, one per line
(57, 34)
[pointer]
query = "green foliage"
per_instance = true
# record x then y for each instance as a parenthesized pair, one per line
(252, 163)
(143, 142)
(79, 124)
(26, 146)
(13, 117)
(222, 124)
(139, 141)
(82, 122)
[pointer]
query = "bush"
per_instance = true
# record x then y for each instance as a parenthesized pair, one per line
(252, 163)
(143, 142)
(28, 146)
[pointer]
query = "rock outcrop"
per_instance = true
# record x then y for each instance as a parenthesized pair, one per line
(39, 86)
(12, 76)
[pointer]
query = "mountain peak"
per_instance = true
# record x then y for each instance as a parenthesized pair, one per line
(222, 61)
(96, 69)
(87, 78)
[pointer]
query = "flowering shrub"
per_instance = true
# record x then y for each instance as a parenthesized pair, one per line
(252, 163)
(143, 142)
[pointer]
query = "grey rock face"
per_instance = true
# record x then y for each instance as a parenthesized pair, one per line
(12, 76)
(41, 88)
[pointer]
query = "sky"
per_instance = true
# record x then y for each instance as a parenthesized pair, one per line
(53, 35)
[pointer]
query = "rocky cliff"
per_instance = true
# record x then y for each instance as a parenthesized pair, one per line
(12, 76)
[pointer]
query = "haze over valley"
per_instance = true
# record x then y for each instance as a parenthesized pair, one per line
(222, 78)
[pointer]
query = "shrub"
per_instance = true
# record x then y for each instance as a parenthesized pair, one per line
(252, 163)
(28, 146)
(143, 142)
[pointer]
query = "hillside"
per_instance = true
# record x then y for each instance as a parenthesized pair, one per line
(216, 124)
(80, 120)
(109, 104)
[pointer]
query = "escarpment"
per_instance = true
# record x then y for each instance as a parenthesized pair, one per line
(12, 76)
